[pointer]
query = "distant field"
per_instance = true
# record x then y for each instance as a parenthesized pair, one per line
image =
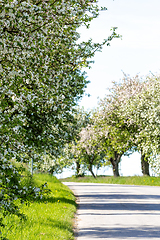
(50, 218)
(136, 180)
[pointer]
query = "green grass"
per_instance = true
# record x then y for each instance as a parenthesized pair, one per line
(51, 218)
(135, 180)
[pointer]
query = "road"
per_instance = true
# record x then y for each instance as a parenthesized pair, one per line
(108, 211)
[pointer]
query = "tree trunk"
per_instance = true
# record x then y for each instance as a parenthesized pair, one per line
(90, 169)
(115, 164)
(78, 166)
(144, 165)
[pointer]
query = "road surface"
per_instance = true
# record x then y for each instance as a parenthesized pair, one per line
(109, 211)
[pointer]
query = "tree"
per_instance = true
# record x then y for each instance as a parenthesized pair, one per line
(87, 149)
(40, 70)
(141, 110)
(116, 135)
(144, 165)
(129, 89)
(40, 73)
(81, 120)
(114, 141)
(147, 116)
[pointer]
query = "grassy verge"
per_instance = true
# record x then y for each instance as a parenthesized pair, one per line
(135, 180)
(51, 218)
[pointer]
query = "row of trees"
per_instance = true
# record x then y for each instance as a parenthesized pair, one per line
(126, 120)
(41, 80)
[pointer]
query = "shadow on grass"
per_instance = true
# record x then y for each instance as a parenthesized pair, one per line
(50, 227)
(62, 225)
(52, 199)
(58, 199)
(61, 196)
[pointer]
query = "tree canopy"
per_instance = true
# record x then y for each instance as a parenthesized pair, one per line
(40, 70)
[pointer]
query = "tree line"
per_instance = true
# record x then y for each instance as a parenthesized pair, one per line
(125, 121)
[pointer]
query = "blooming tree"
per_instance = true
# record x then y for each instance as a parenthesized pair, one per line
(144, 110)
(117, 136)
(81, 120)
(40, 74)
(140, 110)
(87, 150)
(40, 69)
(131, 88)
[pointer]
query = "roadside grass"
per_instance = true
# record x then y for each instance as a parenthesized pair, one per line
(49, 218)
(135, 180)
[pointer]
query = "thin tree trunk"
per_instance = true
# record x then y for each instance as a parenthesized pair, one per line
(90, 169)
(90, 165)
(144, 165)
(78, 169)
(115, 164)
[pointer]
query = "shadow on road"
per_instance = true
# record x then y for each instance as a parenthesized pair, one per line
(120, 206)
(118, 196)
(123, 233)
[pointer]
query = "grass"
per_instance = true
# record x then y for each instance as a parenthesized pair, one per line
(135, 180)
(51, 218)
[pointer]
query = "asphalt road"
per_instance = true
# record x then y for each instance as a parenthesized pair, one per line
(109, 211)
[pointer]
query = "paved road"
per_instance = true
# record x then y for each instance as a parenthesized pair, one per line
(109, 211)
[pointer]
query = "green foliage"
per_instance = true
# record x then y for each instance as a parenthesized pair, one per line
(17, 187)
(47, 218)
(40, 72)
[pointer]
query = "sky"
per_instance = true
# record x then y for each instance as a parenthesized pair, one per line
(138, 52)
